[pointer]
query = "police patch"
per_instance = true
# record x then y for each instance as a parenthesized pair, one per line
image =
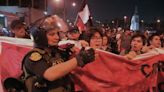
(35, 56)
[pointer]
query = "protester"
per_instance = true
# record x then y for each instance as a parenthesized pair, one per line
(1, 32)
(4, 32)
(118, 40)
(162, 39)
(63, 36)
(125, 40)
(114, 43)
(18, 29)
(146, 34)
(108, 33)
(46, 67)
(95, 38)
(73, 34)
(136, 44)
(154, 41)
(105, 43)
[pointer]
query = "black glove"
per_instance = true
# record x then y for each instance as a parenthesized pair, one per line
(85, 56)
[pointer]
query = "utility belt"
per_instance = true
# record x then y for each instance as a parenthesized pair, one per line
(61, 85)
(33, 84)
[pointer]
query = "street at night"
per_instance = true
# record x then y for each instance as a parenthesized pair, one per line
(81, 46)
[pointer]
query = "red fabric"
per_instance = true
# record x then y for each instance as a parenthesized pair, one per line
(108, 73)
(111, 73)
(10, 60)
(1, 87)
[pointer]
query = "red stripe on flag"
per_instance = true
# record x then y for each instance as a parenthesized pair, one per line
(80, 24)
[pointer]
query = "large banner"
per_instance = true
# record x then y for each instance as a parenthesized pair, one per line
(112, 73)
(108, 73)
(12, 51)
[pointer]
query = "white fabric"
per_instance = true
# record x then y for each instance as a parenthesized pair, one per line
(19, 41)
(153, 52)
(84, 14)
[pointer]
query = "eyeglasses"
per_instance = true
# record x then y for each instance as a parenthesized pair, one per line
(97, 38)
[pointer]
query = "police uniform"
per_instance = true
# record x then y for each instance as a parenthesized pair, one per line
(44, 56)
(36, 62)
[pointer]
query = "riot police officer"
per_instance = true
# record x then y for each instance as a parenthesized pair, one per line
(46, 67)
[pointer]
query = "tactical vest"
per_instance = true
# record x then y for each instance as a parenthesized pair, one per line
(63, 84)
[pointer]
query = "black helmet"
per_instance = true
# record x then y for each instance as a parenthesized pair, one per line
(39, 37)
(39, 29)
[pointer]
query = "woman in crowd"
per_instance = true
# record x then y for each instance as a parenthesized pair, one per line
(95, 38)
(105, 43)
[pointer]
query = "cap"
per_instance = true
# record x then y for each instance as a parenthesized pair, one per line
(73, 30)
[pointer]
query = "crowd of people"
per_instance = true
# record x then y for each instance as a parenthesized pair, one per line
(47, 66)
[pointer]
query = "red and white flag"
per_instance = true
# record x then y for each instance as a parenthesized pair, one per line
(83, 16)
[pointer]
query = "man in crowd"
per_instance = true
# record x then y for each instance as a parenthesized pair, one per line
(18, 29)
(73, 34)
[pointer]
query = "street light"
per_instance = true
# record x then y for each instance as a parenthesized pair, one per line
(73, 4)
(64, 12)
(125, 18)
(45, 13)
(142, 21)
(64, 2)
(56, 0)
(158, 24)
(91, 18)
(113, 23)
(68, 20)
(142, 25)
(158, 20)
(64, 6)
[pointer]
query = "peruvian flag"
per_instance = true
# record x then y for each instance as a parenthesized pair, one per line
(83, 16)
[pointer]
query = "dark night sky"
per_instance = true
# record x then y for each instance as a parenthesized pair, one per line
(149, 10)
